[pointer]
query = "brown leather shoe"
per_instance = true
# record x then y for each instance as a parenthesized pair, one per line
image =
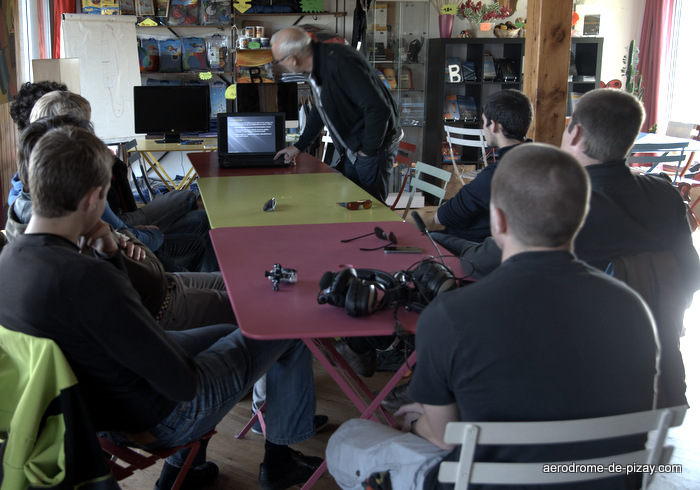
(363, 364)
(397, 398)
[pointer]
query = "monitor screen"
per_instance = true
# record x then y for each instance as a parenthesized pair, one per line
(171, 110)
(267, 97)
(251, 133)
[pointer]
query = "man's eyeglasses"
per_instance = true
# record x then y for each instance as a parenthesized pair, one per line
(277, 62)
(379, 233)
(354, 205)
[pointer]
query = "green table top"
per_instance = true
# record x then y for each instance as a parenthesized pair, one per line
(301, 199)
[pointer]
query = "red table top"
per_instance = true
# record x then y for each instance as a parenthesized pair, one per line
(245, 253)
(206, 164)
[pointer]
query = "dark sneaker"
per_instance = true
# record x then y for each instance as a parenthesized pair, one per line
(198, 477)
(320, 421)
(363, 364)
(391, 360)
(298, 469)
(397, 398)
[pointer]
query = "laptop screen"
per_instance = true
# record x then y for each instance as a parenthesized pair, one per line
(255, 134)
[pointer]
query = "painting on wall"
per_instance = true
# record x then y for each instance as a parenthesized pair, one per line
(8, 55)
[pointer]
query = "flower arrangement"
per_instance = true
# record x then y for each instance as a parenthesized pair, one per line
(479, 12)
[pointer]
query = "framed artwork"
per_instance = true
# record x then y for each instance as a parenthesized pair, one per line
(162, 7)
(126, 7)
(145, 7)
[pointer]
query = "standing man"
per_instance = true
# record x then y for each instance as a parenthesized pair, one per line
(543, 337)
(351, 101)
(506, 117)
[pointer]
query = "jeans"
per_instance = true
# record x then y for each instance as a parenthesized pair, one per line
(372, 172)
(226, 372)
(182, 252)
(196, 300)
(164, 211)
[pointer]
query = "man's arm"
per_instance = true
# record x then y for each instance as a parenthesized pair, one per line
(471, 200)
(429, 421)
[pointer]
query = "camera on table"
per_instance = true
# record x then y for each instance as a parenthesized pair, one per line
(281, 274)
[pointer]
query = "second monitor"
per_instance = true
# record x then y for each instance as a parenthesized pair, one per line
(267, 97)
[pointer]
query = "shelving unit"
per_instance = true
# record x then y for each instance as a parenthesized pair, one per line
(396, 33)
(586, 51)
(238, 21)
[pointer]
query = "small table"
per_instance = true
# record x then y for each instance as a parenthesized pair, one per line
(301, 199)
(293, 311)
(146, 147)
(207, 165)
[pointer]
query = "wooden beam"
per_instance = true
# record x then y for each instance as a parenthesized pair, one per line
(547, 47)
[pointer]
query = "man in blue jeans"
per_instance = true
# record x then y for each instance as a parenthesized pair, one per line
(351, 101)
(143, 386)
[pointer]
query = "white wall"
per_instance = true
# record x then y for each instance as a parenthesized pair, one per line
(620, 22)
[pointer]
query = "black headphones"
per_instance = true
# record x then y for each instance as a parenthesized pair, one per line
(364, 291)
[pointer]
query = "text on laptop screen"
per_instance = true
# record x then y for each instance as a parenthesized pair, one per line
(251, 134)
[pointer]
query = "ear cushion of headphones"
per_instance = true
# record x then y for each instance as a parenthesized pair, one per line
(334, 293)
(432, 278)
(384, 279)
(361, 299)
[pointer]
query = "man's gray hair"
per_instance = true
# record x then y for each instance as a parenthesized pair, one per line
(291, 41)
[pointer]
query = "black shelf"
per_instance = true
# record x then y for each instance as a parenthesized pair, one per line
(587, 54)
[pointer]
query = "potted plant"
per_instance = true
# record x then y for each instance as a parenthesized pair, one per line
(478, 13)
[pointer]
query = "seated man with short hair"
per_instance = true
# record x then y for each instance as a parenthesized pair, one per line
(543, 337)
(144, 386)
(506, 119)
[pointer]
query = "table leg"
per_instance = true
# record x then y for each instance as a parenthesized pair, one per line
(159, 170)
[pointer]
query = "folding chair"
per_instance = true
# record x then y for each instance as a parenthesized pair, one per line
(124, 461)
(469, 434)
(325, 141)
(404, 157)
(473, 138)
(417, 183)
(650, 155)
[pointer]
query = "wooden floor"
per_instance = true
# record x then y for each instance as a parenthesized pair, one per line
(238, 460)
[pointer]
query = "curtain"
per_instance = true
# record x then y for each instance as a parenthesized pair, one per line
(59, 7)
(655, 50)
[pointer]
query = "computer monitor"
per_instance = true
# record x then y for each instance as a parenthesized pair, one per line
(171, 110)
(268, 97)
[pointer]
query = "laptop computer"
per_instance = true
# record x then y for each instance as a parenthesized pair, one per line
(250, 139)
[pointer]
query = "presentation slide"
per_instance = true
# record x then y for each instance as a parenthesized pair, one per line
(251, 134)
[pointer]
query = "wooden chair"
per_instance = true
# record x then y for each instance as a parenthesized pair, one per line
(650, 155)
(473, 138)
(418, 183)
(469, 434)
(404, 157)
(124, 461)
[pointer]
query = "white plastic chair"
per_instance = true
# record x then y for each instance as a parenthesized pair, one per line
(417, 183)
(473, 138)
(325, 141)
(469, 434)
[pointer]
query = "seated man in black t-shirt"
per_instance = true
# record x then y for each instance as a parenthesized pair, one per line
(543, 337)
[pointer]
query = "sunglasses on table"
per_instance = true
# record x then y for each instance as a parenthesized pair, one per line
(379, 233)
(354, 205)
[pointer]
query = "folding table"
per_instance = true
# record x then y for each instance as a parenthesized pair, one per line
(301, 199)
(246, 253)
